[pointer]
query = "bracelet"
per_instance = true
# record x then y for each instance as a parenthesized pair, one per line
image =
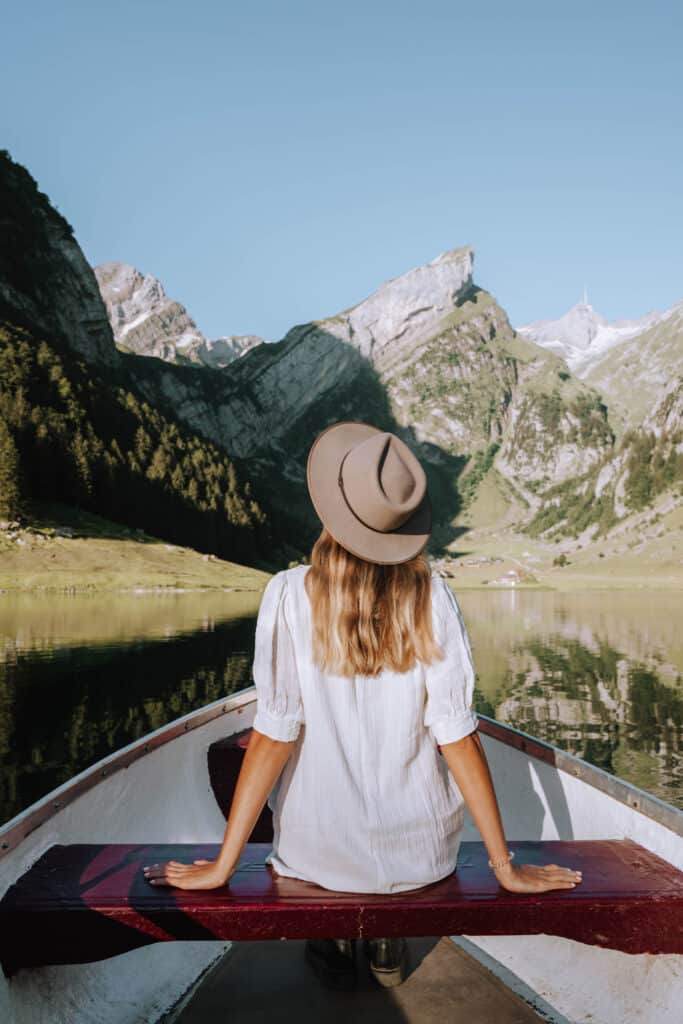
(502, 863)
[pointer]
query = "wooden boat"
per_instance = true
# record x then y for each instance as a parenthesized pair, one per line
(84, 937)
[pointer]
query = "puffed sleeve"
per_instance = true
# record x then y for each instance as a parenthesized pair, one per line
(450, 682)
(279, 708)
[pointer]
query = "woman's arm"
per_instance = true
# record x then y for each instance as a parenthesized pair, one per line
(263, 762)
(468, 765)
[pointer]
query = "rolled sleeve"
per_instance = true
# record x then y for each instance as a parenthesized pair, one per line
(279, 707)
(450, 682)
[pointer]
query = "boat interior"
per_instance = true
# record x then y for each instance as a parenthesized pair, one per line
(83, 902)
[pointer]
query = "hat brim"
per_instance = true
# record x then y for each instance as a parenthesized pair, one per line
(322, 471)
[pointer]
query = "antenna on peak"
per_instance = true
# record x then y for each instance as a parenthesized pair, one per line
(585, 296)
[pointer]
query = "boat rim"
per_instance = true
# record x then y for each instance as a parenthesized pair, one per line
(18, 828)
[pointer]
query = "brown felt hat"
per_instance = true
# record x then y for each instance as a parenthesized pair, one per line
(370, 491)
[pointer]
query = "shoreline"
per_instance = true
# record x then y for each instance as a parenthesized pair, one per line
(459, 581)
(65, 550)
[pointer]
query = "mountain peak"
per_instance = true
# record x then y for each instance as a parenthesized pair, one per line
(146, 321)
(575, 329)
(405, 307)
(582, 336)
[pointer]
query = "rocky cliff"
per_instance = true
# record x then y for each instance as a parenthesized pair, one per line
(649, 458)
(46, 284)
(147, 322)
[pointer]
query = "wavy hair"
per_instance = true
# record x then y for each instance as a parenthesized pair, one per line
(367, 616)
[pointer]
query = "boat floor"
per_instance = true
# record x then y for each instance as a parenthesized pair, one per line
(271, 981)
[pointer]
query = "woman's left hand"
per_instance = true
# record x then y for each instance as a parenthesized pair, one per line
(201, 874)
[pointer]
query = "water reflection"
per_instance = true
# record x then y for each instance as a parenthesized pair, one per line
(599, 674)
(81, 677)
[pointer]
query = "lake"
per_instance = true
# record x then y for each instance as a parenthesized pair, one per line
(597, 673)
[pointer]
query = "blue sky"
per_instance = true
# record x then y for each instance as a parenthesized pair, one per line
(273, 163)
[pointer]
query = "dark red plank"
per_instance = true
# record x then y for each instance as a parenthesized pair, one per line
(84, 903)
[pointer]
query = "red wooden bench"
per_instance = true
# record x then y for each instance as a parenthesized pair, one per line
(85, 902)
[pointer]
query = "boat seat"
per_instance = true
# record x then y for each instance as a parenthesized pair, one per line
(86, 902)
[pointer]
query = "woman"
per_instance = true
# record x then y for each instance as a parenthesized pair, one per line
(363, 670)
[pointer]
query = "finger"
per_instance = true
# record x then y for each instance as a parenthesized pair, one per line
(563, 880)
(555, 871)
(549, 886)
(162, 873)
(565, 868)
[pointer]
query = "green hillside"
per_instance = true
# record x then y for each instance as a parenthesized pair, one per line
(71, 433)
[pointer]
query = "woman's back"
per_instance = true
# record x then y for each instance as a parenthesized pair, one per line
(365, 803)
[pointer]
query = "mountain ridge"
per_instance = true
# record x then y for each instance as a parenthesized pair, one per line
(146, 321)
(429, 355)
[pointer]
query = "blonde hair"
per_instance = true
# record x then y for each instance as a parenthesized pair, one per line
(368, 616)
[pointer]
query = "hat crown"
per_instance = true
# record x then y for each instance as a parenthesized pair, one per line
(382, 481)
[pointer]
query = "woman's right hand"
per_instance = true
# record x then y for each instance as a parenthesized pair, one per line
(536, 878)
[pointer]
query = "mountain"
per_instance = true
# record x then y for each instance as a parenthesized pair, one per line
(582, 335)
(75, 428)
(46, 284)
(432, 357)
(633, 376)
(428, 355)
(629, 362)
(146, 322)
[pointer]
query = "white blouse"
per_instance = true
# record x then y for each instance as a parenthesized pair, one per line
(366, 802)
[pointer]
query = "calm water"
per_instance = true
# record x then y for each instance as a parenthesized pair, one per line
(599, 674)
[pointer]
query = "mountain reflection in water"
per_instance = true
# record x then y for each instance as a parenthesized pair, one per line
(597, 673)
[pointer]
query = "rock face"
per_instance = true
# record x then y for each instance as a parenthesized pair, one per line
(631, 465)
(386, 327)
(46, 284)
(146, 322)
(666, 419)
(220, 352)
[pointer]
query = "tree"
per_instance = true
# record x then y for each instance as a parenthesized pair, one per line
(159, 466)
(10, 491)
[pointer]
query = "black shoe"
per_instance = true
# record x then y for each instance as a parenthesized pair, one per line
(388, 960)
(333, 960)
